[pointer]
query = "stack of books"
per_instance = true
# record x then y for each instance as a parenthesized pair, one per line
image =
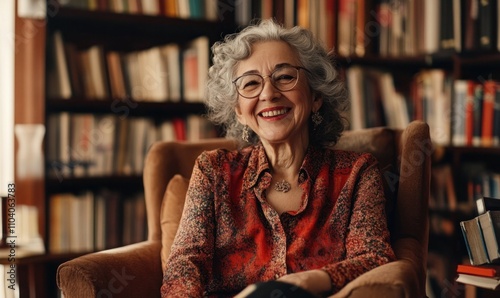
(484, 276)
(481, 236)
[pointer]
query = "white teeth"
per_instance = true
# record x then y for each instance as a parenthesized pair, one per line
(274, 113)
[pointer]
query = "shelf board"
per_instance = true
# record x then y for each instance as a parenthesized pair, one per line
(482, 59)
(419, 61)
(125, 28)
(461, 150)
(70, 184)
(125, 108)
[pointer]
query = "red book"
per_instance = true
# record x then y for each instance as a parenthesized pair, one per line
(179, 129)
(489, 270)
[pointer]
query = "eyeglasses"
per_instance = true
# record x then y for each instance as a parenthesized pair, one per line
(283, 78)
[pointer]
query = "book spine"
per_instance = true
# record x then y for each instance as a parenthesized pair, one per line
(466, 241)
(478, 113)
(488, 113)
(496, 115)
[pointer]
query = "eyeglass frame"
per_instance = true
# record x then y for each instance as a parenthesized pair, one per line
(271, 80)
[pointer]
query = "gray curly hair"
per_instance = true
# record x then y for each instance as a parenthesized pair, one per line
(323, 78)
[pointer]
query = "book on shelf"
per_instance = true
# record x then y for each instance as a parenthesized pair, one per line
(449, 25)
(171, 57)
(58, 78)
(160, 73)
(492, 283)
(484, 204)
(375, 100)
(153, 73)
(117, 84)
(460, 99)
(195, 64)
(482, 235)
(486, 22)
(442, 195)
(469, 114)
(419, 27)
(486, 270)
(319, 16)
(477, 181)
(193, 9)
(476, 113)
(89, 145)
(93, 221)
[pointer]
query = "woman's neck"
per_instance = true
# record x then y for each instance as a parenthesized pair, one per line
(286, 158)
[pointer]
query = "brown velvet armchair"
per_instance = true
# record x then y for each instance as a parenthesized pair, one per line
(136, 270)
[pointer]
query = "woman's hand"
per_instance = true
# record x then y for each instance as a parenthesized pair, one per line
(315, 281)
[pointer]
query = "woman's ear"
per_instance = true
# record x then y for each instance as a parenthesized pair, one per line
(239, 115)
(317, 103)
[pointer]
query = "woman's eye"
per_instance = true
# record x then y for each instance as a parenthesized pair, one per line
(250, 84)
(284, 77)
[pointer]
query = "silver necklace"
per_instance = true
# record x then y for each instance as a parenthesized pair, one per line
(283, 186)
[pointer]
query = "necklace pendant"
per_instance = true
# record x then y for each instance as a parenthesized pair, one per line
(282, 186)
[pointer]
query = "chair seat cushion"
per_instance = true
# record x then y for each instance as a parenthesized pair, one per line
(171, 212)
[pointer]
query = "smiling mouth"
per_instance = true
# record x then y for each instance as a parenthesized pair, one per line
(274, 113)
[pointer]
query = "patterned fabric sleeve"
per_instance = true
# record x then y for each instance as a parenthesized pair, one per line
(188, 267)
(367, 241)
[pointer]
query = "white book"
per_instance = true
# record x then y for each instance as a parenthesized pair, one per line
(183, 9)
(441, 108)
(154, 74)
(133, 77)
(150, 7)
(167, 131)
(211, 10)
(388, 97)
(459, 102)
(193, 127)
(431, 23)
(355, 86)
(98, 72)
(171, 57)
(58, 75)
(401, 109)
(479, 281)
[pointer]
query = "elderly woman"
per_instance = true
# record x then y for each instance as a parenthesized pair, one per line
(283, 207)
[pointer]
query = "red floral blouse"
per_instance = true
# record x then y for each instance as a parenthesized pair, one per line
(230, 237)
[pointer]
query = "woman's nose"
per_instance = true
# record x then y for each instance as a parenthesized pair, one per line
(269, 92)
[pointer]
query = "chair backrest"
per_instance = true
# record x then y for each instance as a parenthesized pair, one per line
(404, 160)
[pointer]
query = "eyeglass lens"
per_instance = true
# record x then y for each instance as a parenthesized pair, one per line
(283, 79)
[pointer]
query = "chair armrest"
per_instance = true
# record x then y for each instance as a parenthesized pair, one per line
(401, 278)
(129, 271)
(391, 280)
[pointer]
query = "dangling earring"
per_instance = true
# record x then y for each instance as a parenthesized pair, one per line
(245, 135)
(316, 119)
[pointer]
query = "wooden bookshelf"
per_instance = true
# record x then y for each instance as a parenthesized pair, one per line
(425, 42)
(122, 33)
(446, 239)
(113, 31)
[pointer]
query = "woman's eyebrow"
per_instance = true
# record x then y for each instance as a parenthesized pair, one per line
(276, 66)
